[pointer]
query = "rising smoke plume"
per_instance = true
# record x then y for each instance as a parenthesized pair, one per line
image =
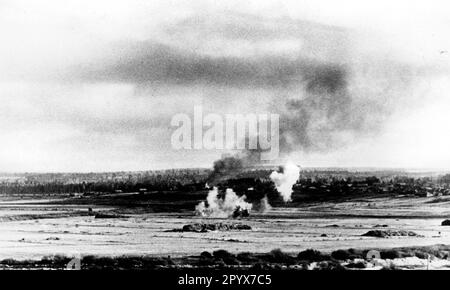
(229, 164)
(231, 205)
(285, 180)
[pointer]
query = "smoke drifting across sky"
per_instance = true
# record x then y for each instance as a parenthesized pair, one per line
(92, 85)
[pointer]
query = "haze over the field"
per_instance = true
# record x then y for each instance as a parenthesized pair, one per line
(92, 85)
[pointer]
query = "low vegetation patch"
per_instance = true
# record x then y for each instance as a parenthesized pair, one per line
(202, 228)
(275, 259)
(390, 233)
(312, 255)
(109, 216)
(445, 222)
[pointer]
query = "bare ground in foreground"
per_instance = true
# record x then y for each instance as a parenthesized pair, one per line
(44, 233)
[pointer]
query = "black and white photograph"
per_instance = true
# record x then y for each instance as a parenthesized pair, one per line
(202, 135)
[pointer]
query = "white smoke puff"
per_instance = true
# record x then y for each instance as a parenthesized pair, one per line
(264, 205)
(284, 181)
(212, 200)
(200, 208)
(222, 208)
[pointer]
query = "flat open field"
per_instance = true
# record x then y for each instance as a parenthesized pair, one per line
(32, 229)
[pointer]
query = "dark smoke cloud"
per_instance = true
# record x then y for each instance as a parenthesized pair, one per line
(326, 99)
(234, 163)
(149, 63)
(335, 104)
(317, 89)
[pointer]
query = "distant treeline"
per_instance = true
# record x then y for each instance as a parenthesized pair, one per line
(166, 180)
(254, 183)
(325, 185)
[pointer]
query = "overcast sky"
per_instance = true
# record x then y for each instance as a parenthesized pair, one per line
(92, 85)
